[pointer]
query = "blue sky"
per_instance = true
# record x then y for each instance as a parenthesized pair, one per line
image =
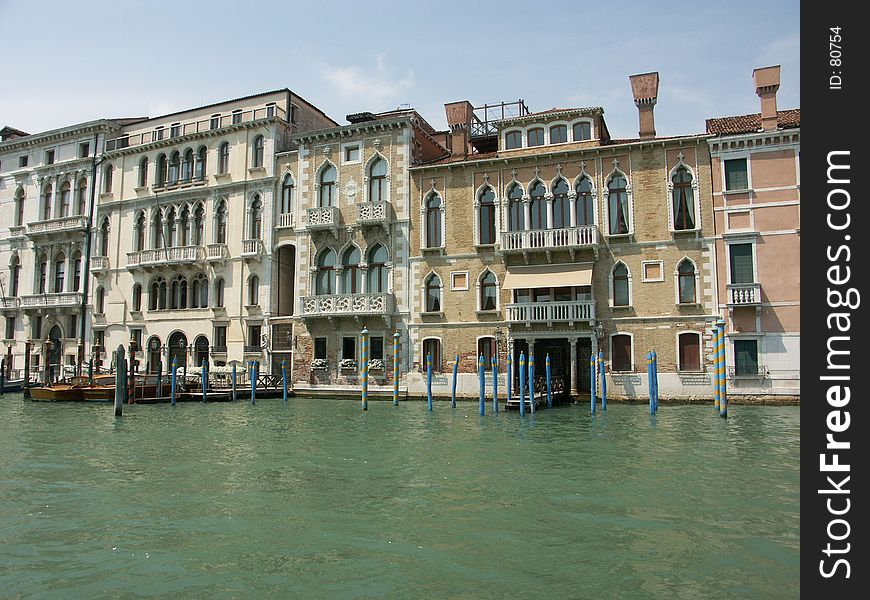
(77, 61)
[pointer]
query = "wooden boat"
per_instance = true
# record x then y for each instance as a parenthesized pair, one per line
(71, 391)
(106, 393)
(13, 385)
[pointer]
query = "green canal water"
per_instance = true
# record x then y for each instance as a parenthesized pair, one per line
(316, 499)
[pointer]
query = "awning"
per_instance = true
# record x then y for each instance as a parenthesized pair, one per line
(565, 275)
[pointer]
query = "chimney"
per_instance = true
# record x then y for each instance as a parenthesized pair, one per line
(459, 115)
(645, 88)
(766, 84)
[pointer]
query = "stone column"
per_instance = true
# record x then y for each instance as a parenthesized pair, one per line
(572, 204)
(339, 280)
(527, 212)
(548, 198)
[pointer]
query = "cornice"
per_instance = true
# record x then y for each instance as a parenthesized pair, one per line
(351, 130)
(54, 135)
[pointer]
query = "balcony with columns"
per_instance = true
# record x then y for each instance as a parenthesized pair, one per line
(744, 294)
(9, 304)
(252, 249)
(59, 226)
(217, 252)
(324, 218)
(547, 240)
(99, 265)
(286, 221)
(53, 300)
(569, 312)
(159, 257)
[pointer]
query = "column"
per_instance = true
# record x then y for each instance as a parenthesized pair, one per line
(548, 198)
(572, 201)
(527, 213)
(573, 369)
(339, 279)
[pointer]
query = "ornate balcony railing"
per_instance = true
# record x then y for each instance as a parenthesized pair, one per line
(99, 264)
(285, 220)
(252, 248)
(548, 312)
(744, 294)
(9, 303)
(218, 350)
(759, 371)
(549, 239)
(347, 305)
(55, 226)
(51, 300)
(322, 218)
(373, 213)
(179, 255)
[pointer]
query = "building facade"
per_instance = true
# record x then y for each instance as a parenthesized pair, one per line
(756, 198)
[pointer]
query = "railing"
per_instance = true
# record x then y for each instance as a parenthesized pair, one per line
(253, 350)
(52, 300)
(158, 256)
(548, 239)
(545, 312)
(178, 181)
(285, 220)
(756, 371)
(216, 252)
(224, 120)
(322, 218)
(60, 225)
(99, 264)
(218, 349)
(347, 304)
(744, 294)
(16, 230)
(252, 247)
(9, 302)
(373, 213)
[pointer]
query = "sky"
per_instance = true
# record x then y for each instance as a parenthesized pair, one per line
(78, 61)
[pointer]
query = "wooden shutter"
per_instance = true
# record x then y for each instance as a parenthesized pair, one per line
(741, 263)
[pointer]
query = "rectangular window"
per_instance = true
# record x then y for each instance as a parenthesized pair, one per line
(582, 131)
(22, 161)
(254, 335)
(214, 122)
(157, 134)
(220, 336)
(175, 130)
(100, 340)
(73, 326)
(431, 347)
(36, 328)
(746, 357)
(348, 348)
(237, 116)
(136, 336)
(320, 348)
(558, 134)
(10, 328)
(293, 114)
(653, 271)
(741, 263)
(486, 349)
(377, 348)
(690, 351)
(49, 157)
(459, 280)
(270, 110)
(736, 174)
(351, 153)
(621, 353)
(536, 137)
(84, 149)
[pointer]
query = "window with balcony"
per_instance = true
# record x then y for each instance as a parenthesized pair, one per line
(742, 267)
(139, 232)
(583, 203)
(683, 200)
(686, 282)
(434, 215)
(59, 273)
(178, 292)
(198, 225)
(65, 199)
(108, 174)
(537, 205)
(171, 228)
(254, 339)
(103, 241)
(351, 274)
(158, 234)
(689, 347)
(258, 151)
(558, 134)
(486, 216)
(488, 291)
(378, 180)
(157, 299)
(220, 336)
(224, 158)
(325, 282)
(745, 357)
(561, 205)
(513, 139)
(199, 291)
(432, 293)
(621, 352)
(256, 213)
(621, 285)
(137, 297)
(582, 131)
(736, 174)
(219, 292)
(431, 352)
(287, 194)
(253, 291)
(516, 211)
(77, 271)
(618, 209)
(143, 172)
(10, 328)
(326, 196)
(14, 275)
(535, 137)
(46, 202)
(378, 272)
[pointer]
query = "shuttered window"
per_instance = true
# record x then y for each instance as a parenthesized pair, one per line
(690, 352)
(741, 263)
(736, 174)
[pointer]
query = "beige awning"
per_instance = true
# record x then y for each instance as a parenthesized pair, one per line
(565, 275)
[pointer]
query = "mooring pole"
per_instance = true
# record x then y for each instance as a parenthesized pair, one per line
(28, 346)
(655, 364)
(284, 377)
(253, 376)
(522, 384)
(159, 378)
(603, 381)
(716, 342)
(204, 380)
(429, 381)
(593, 378)
(91, 371)
(396, 337)
(173, 381)
(481, 376)
(455, 374)
(120, 380)
(649, 376)
(723, 382)
(510, 375)
(532, 382)
(234, 379)
(549, 389)
(495, 383)
(364, 368)
(2, 375)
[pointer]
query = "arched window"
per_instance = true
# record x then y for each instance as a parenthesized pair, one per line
(683, 200)
(65, 198)
(174, 165)
(157, 229)
(486, 216)
(187, 165)
(377, 269)
(486, 347)
(224, 158)
(583, 205)
(14, 275)
(325, 283)
(488, 291)
(221, 223)
(689, 348)
(43, 273)
(107, 178)
(198, 225)
(617, 205)
(46, 203)
(77, 271)
(137, 297)
(199, 292)
(433, 293)
(254, 290)
(81, 196)
(256, 218)
(537, 206)
(160, 173)
(287, 195)
(327, 187)
(143, 172)
(194, 292)
(561, 205)
(219, 292)
(139, 240)
(621, 352)
(686, 282)
(178, 295)
(184, 234)
(104, 237)
(516, 211)
(378, 180)
(621, 295)
(157, 301)
(433, 221)
(201, 163)
(257, 155)
(100, 301)
(171, 228)
(558, 134)
(19, 207)
(535, 137)
(351, 277)
(582, 131)
(59, 272)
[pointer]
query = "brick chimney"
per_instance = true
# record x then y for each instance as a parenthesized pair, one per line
(459, 116)
(645, 88)
(766, 84)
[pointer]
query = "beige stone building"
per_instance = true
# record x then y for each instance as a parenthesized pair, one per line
(540, 233)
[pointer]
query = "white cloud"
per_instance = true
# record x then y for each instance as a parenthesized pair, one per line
(372, 87)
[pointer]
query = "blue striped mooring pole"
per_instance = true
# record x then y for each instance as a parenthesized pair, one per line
(455, 375)
(234, 378)
(549, 390)
(364, 368)
(396, 337)
(593, 378)
(655, 371)
(284, 377)
(532, 382)
(204, 380)
(495, 383)
(723, 383)
(716, 342)
(172, 382)
(650, 384)
(522, 383)
(481, 376)
(253, 383)
(429, 382)
(603, 373)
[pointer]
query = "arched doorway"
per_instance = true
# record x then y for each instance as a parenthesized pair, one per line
(200, 349)
(55, 353)
(178, 349)
(154, 356)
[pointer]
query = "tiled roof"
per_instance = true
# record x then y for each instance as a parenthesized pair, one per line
(787, 119)
(552, 111)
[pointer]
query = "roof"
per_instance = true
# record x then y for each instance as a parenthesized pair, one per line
(786, 119)
(551, 112)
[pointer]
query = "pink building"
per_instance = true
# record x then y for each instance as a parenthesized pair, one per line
(756, 204)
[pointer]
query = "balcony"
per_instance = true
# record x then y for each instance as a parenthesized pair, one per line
(374, 213)
(99, 265)
(285, 221)
(180, 255)
(322, 218)
(744, 294)
(9, 304)
(218, 350)
(64, 299)
(216, 252)
(550, 312)
(252, 249)
(347, 305)
(547, 240)
(57, 226)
